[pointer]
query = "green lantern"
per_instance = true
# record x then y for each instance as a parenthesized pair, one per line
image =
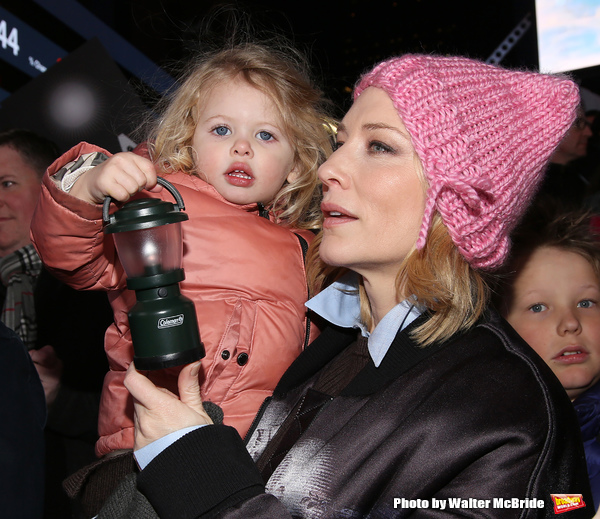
(148, 237)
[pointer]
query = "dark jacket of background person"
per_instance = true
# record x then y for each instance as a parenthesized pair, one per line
(452, 410)
(22, 419)
(74, 323)
(587, 407)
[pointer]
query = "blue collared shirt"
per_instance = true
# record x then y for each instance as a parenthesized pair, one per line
(146, 454)
(339, 303)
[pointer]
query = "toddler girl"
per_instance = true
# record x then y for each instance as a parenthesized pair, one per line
(241, 140)
(552, 299)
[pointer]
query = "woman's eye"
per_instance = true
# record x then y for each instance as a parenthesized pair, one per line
(586, 303)
(7, 183)
(221, 131)
(265, 136)
(537, 308)
(380, 147)
(337, 145)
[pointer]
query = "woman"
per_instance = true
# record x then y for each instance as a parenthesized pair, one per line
(436, 399)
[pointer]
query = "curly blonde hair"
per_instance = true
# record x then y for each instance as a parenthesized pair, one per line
(281, 74)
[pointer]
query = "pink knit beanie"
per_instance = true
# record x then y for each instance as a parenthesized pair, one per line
(484, 136)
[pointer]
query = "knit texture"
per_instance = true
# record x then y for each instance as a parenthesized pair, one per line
(484, 136)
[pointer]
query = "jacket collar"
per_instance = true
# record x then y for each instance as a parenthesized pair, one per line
(403, 354)
(339, 304)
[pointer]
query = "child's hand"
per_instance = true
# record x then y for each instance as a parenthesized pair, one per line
(120, 177)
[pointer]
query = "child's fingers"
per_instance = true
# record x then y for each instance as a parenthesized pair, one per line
(125, 174)
(122, 176)
(140, 168)
(156, 189)
(119, 177)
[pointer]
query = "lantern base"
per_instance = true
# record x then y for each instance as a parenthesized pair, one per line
(170, 360)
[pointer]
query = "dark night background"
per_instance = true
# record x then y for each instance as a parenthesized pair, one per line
(343, 37)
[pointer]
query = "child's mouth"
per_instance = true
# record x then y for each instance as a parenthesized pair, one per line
(239, 174)
(572, 356)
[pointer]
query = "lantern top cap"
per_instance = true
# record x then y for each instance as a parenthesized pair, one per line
(144, 213)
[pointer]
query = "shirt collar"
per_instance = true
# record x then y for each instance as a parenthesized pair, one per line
(339, 303)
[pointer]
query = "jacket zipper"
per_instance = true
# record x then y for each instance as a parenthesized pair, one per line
(257, 418)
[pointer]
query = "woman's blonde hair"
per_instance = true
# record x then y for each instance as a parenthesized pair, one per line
(280, 73)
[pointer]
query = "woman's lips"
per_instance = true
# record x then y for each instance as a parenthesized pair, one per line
(571, 355)
(335, 215)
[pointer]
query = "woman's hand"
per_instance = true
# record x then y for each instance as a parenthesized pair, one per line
(120, 177)
(159, 412)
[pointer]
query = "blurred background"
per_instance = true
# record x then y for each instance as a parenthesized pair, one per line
(87, 70)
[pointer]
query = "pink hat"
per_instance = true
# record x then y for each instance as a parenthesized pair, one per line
(484, 136)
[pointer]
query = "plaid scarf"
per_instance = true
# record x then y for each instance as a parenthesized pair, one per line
(18, 274)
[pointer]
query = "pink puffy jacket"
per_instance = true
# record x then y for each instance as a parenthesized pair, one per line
(244, 273)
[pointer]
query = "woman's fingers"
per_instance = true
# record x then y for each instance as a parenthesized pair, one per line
(158, 412)
(141, 387)
(189, 387)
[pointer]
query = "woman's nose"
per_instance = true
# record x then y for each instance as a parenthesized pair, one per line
(569, 323)
(242, 148)
(331, 172)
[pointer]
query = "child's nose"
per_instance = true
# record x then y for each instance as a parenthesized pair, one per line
(241, 147)
(569, 323)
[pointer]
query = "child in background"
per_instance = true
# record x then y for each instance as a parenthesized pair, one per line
(241, 140)
(552, 299)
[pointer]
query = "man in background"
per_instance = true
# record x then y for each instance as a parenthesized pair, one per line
(63, 329)
(24, 156)
(567, 179)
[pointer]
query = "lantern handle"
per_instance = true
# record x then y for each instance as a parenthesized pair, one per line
(165, 183)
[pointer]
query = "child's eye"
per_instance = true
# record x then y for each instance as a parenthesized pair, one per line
(586, 303)
(221, 131)
(537, 308)
(7, 183)
(265, 136)
(337, 145)
(380, 147)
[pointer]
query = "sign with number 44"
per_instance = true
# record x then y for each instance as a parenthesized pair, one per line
(9, 39)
